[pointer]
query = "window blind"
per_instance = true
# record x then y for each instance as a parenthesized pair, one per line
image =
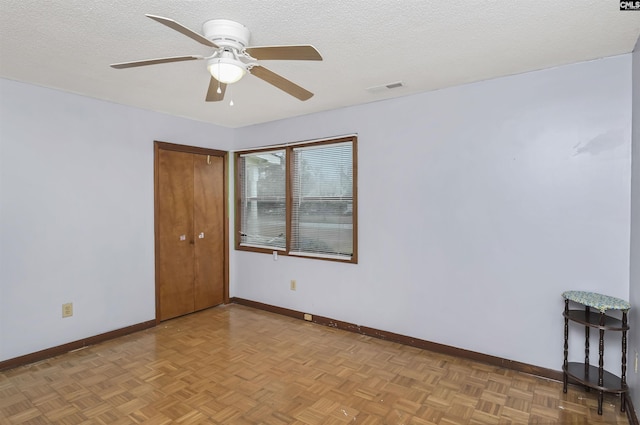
(322, 200)
(262, 183)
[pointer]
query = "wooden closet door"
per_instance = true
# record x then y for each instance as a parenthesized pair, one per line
(175, 234)
(208, 219)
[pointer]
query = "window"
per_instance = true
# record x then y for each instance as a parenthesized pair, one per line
(299, 200)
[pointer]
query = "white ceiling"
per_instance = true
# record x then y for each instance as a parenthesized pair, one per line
(69, 44)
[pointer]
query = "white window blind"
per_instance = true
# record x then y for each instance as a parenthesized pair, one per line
(262, 183)
(322, 201)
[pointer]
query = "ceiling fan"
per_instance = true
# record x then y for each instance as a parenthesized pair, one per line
(232, 59)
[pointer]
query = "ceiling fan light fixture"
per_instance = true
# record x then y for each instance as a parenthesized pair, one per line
(232, 59)
(226, 70)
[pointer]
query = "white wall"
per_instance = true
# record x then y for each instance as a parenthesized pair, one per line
(76, 213)
(634, 285)
(478, 206)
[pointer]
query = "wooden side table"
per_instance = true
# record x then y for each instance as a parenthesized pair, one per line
(588, 375)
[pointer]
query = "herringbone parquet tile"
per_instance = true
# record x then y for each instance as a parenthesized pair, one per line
(237, 365)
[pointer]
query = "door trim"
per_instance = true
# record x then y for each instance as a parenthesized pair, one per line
(157, 146)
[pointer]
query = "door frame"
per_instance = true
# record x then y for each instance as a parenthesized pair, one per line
(157, 146)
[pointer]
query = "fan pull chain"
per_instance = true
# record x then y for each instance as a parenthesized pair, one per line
(219, 91)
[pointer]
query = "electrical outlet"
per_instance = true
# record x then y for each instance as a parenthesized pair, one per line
(308, 317)
(292, 285)
(67, 310)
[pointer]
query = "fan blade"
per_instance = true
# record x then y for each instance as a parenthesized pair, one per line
(154, 61)
(281, 82)
(212, 93)
(302, 53)
(183, 30)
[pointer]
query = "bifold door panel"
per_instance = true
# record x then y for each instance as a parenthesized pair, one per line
(190, 229)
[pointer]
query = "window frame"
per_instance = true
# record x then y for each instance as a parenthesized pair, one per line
(289, 178)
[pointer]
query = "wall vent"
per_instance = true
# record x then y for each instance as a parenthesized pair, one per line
(388, 86)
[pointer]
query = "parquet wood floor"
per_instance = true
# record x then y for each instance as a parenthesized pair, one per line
(237, 365)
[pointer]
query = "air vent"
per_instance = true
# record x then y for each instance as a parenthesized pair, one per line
(389, 86)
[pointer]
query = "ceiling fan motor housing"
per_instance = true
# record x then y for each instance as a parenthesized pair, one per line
(226, 33)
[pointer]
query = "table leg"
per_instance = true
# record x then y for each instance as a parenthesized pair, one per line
(601, 364)
(586, 347)
(565, 364)
(623, 399)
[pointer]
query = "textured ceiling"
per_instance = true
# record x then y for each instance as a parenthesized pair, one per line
(69, 44)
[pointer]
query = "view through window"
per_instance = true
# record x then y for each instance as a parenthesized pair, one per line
(299, 200)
